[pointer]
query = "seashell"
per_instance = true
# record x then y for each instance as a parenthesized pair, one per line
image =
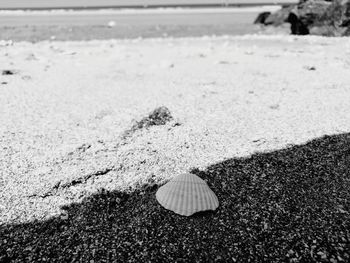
(187, 194)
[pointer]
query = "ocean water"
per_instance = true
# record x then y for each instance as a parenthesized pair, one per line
(47, 4)
(93, 23)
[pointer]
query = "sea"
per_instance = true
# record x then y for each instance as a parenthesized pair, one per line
(98, 4)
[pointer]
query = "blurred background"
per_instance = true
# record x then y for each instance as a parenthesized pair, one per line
(11, 4)
(36, 20)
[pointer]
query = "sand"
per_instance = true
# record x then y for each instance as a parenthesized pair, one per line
(64, 110)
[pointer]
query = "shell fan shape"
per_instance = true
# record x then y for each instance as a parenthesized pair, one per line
(187, 194)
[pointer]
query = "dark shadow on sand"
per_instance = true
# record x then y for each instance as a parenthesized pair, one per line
(290, 205)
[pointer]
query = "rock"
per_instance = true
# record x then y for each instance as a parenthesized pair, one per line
(9, 72)
(279, 17)
(297, 28)
(337, 16)
(306, 14)
(286, 14)
(262, 18)
(311, 68)
(321, 17)
(276, 18)
(64, 216)
(310, 12)
(316, 17)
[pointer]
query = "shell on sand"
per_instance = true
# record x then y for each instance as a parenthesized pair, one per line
(187, 194)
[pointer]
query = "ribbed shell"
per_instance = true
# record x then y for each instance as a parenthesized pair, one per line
(187, 194)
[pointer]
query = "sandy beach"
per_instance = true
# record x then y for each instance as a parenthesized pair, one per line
(65, 108)
(67, 104)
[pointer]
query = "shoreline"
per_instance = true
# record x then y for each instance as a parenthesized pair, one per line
(90, 33)
(115, 24)
(153, 10)
(141, 4)
(88, 25)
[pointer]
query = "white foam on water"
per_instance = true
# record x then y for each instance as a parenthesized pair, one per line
(128, 11)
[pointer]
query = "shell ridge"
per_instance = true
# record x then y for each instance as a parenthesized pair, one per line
(205, 199)
(174, 198)
(160, 195)
(189, 199)
(211, 201)
(194, 205)
(166, 196)
(180, 200)
(198, 200)
(214, 199)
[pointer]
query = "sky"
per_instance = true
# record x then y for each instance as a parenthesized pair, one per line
(81, 3)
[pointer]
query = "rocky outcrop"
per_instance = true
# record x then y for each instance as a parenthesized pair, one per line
(262, 18)
(276, 18)
(317, 17)
(335, 21)
(279, 17)
(310, 12)
(296, 26)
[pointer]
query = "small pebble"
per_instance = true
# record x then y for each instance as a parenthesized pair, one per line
(64, 216)
(8, 72)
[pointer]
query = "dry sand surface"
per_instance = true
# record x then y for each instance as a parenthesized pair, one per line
(65, 108)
